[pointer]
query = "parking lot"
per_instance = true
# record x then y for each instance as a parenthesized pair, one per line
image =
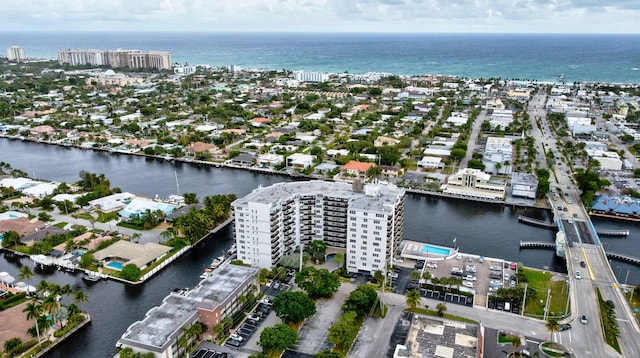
(479, 275)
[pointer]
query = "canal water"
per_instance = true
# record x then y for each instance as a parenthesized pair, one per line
(489, 230)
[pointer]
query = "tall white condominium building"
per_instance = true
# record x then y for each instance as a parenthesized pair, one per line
(305, 76)
(365, 220)
(15, 54)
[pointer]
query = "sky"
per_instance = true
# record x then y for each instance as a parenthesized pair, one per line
(428, 16)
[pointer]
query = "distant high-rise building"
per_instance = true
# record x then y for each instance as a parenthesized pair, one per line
(15, 54)
(116, 58)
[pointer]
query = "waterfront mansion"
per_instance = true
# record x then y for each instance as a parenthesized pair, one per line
(364, 220)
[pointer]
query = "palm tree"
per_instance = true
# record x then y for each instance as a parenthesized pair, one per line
(42, 287)
(135, 237)
(516, 342)
(34, 311)
(440, 308)
(80, 297)
(166, 235)
(413, 298)
(26, 274)
(339, 259)
(553, 326)
(415, 275)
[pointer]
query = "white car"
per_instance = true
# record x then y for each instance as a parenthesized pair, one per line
(467, 284)
(495, 268)
(578, 275)
(236, 337)
(432, 265)
(469, 278)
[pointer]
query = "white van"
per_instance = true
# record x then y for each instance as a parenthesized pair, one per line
(507, 306)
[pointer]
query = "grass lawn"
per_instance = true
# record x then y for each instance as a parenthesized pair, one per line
(106, 217)
(434, 313)
(539, 282)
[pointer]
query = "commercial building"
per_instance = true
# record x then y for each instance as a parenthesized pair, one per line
(15, 54)
(524, 185)
(116, 58)
(474, 183)
(214, 298)
(364, 220)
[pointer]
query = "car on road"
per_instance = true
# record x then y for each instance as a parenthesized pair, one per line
(582, 264)
(578, 275)
(583, 319)
(564, 327)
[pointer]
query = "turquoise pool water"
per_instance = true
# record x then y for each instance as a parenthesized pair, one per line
(428, 249)
(115, 265)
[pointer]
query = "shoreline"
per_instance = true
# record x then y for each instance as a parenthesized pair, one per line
(294, 175)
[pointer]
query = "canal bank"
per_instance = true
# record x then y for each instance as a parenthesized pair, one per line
(487, 230)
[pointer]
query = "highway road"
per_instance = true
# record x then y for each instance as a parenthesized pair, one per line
(585, 339)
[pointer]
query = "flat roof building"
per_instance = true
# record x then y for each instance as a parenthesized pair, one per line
(365, 220)
(214, 298)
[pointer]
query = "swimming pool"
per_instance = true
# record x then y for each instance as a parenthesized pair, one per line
(115, 265)
(428, 249)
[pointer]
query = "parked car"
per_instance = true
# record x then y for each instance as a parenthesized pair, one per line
(236, 337)
(432, 265)
(276, 286)
(507, 306)
(495, 268)
(500, 306)
(564, 327)
(515, 308)
(467, 284)
(469, 278)
(419, 264)
(471, 268)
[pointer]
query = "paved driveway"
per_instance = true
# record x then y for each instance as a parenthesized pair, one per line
(314, 332)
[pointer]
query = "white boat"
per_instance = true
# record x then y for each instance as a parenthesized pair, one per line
(217, 262)
(91, 276)
(206, 273)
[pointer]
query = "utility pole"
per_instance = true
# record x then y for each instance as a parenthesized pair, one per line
(301, 253)
(546, 305)
(566, 308)
(524, 299)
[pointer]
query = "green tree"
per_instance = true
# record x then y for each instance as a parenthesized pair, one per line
(11, 345)
(190, 198)
(317, 249)
(44, 216)
(293, 306)
(34, 311)
(339, 259)
(130, 272)
(553, 326)
(413, 298)
(277, 338)
(516, 342)
(25, 273)
(327, 354)
(440, 308)
(10, 239)
(86, 260)
(344, 332)
(389, 155)
(361, 300)
(318, 283)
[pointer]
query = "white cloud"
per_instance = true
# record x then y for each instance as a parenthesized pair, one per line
(324, 15)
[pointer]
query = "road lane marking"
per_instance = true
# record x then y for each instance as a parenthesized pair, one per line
(584, 254)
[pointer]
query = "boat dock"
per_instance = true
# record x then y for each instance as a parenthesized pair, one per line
(623, 257)
(537, 244)
(613, 233)
(536, 222)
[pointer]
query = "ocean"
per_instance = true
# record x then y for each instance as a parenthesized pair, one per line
(541, 57)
